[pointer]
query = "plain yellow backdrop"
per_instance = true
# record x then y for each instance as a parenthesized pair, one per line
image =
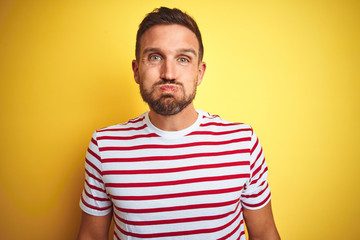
(291, 69)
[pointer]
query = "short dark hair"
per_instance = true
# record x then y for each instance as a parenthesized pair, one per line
(167, 16)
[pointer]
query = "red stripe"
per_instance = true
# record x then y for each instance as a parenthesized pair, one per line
(179, 169)
(93, 166)
(178, 208)
(178, 220)
(219, 124)
(218, 133)
(157, 146)
(233, 231)
(242, 233)
(178, 233)
(176, 157)
(94, 141)
(211, 116)
(257, 204)
(94, 154)
(134, 120)
(259, 155)
(255, 145)
(94, 207)
(96, 198)
(257, 158)
(127, 137)
(259, 168)
(259, 193)
(255, 181)
(93, 176)
(177, 182)
(122, 129)
(117, 237)
(94, 187)
(178, 195)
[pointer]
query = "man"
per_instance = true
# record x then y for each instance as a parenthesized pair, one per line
(174, 172)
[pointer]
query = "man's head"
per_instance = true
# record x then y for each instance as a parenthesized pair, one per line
(166, 16)
(168, 67)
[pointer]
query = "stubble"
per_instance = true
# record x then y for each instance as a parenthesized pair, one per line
(167, 104)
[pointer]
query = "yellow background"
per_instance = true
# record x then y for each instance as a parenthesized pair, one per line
(291, 69)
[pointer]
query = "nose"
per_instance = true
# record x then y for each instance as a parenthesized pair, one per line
(168, 70)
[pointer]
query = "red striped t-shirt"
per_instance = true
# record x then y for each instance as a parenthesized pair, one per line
(188, 184)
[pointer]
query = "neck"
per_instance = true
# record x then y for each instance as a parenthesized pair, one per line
(177, 122)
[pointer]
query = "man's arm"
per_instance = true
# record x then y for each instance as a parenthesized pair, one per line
(260, 223)
(94, 227)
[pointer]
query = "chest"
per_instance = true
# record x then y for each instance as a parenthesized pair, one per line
(170, 177)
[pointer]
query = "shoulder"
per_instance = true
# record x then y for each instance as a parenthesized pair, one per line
(216, 122)
(132, 125)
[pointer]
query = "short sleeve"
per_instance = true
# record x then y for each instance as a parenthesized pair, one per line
(256, 193)
(94, 199)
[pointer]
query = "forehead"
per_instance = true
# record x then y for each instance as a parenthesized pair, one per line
(169, 37)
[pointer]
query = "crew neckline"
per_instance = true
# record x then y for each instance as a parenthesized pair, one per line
(174, 134)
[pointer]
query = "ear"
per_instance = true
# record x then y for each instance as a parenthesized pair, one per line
(135, 68)
(202, 68)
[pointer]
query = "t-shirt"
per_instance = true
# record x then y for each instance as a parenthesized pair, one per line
(188, 184)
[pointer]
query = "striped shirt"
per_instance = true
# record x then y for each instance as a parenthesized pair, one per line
(188, 184)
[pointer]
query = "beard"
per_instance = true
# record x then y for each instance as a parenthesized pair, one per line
(167, 104)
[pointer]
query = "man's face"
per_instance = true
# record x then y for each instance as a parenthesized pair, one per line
(168, 69)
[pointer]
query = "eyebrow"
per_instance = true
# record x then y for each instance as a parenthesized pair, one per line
(181, 50)
(187, 50)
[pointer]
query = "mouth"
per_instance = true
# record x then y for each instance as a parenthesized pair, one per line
(168, 87)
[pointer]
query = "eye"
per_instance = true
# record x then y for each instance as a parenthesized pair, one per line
(154, 58)
(183, 60)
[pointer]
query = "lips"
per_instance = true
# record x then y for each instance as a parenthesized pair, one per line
(168, 88)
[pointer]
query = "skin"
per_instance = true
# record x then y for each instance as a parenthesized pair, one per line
(260, 223)
(169, 54)
(94, 227)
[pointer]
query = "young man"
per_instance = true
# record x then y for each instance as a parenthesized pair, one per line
(174, 172)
